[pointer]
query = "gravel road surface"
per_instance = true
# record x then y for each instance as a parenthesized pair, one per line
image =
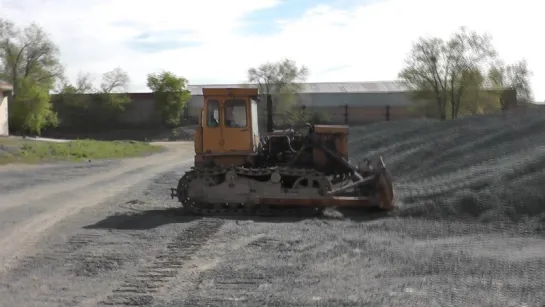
(469, 231)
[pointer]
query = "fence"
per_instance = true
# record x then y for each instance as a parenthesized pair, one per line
(339, 115)
(345, 115)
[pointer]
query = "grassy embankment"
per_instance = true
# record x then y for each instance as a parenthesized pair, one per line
(17, 150)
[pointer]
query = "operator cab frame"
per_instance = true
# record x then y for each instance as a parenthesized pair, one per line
(228, 123)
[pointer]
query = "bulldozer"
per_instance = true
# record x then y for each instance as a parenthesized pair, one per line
(237, 170)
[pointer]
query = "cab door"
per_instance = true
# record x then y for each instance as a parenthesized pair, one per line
(212, 126)
(237, 129)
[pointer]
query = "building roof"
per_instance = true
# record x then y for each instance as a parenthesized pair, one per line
(4, 86)
(324, 87)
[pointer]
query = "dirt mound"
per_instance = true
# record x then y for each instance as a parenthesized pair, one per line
(484, 167)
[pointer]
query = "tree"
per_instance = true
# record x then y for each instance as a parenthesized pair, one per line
(467, 52)
(515, 76)
(84, 84)
(171, 96)
(447, 72)
(30, 61)
(115, 81)
(32, 111)
(28, 54)
(280, 81)
(113, 89)
(425, 73)
(473, 99)
(83, 107)
(77, 94)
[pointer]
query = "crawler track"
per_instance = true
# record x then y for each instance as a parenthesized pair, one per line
(240, 209)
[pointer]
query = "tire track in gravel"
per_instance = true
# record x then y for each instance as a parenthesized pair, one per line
(232, 286)
(57, 251)
(54, 273)
(138, 290)
(67, 248)
(247, 277)
(63, 202)
(83, 266)
(205, 269)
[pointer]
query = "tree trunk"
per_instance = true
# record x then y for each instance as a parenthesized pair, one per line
(270, 124)
(442, 109)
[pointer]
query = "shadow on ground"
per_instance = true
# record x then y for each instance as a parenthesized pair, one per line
(149, 219)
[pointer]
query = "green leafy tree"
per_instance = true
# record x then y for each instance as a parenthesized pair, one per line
(514, 76)
(473, 97)
(171, 96)
(28, 53)
(32, 111)
(30, 61)
(446, 73)
(282, 80)
(467, 52)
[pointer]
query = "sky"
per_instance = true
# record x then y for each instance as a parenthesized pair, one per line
(215, 41)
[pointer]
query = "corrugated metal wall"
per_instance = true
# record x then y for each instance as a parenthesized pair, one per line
(362, 107)
(346, 103)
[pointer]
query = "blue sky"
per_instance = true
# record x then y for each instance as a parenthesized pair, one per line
(216, 41)
(150, 41)
(265, 21)
(261, 22)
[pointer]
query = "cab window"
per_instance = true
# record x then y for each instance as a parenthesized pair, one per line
(213, 113)
(235, 113)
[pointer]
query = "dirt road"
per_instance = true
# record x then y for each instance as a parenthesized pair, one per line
(35, 200)
(107, 233)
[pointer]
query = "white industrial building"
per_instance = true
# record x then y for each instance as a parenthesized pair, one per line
(5, 91)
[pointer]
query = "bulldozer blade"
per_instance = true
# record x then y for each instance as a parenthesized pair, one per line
(384, 198)
(328, 201)
(385, 191)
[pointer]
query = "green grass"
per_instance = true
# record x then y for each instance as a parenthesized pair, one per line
(13, 150)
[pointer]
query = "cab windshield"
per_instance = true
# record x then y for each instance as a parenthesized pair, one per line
(235, 113)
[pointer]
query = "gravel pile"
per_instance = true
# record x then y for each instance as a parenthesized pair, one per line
(486, 168)
(489, 168)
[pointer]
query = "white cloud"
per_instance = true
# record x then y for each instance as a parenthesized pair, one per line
(366, 42)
